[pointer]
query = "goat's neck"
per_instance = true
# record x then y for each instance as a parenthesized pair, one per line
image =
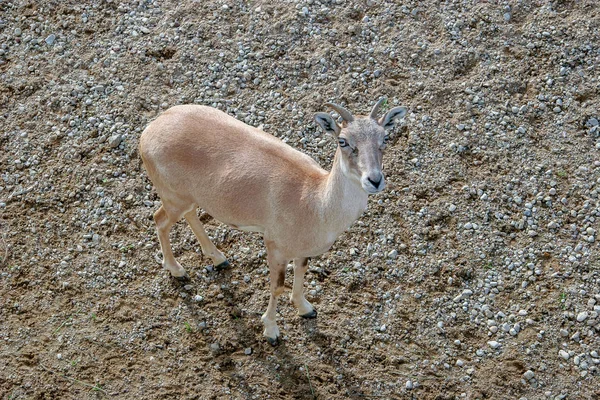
(344, 200)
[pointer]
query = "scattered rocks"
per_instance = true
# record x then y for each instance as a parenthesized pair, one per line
(483, 244)
(464, 295)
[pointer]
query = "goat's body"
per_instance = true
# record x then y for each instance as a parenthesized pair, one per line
(198, 156)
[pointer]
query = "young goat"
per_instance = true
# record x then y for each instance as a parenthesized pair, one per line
(198, 156)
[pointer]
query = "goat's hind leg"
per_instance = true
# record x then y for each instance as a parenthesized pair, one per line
(164, 222)
(208, 247)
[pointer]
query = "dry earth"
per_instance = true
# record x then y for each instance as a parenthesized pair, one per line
(474, 275)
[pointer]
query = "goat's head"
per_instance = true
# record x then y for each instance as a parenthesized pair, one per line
(361, 141)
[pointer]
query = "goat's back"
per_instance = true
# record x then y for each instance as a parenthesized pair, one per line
(237, 173)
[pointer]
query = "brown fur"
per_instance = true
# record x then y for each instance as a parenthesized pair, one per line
(198, 156)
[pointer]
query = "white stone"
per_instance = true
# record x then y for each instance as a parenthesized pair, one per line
(115, 140)
(582, 316)
(528, 375)
(493, 344)
(50, 39)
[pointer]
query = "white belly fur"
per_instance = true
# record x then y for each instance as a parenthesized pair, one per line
(250, 229)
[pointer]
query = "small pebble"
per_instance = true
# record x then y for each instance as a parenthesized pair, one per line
(592, 122)
(493, 344)
(528, 375)
(114, 141)
(50, 39)
(582, 316)
(563, 354)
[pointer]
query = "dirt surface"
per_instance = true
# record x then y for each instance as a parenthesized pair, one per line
(474, 275)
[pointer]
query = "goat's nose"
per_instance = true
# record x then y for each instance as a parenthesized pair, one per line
(375, 183)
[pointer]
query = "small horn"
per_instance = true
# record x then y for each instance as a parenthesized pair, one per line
(376, 108)
(345, 114)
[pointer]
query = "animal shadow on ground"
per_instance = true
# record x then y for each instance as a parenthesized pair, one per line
(294, 376)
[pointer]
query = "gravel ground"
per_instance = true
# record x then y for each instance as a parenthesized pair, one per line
(474, 275)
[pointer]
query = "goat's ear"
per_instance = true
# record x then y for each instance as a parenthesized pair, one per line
(327, 123)
(389, 120)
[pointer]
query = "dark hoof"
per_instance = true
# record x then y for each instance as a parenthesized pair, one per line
(223, 265)
(183, 279)
(310, 315)
(273, 342)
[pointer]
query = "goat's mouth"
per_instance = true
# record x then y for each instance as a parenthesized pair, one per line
(370, 189)
(373, 185)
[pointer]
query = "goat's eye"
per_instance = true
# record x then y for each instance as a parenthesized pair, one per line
(343, 142)
(385, 141)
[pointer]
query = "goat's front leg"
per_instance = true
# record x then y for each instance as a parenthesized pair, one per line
(277, 275)
(305, 309)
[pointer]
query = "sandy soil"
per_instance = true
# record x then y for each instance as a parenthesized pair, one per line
(474, 275)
